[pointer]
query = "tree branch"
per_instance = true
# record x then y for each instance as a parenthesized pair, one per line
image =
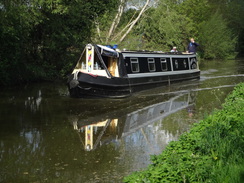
(134, 22)
(116, 20)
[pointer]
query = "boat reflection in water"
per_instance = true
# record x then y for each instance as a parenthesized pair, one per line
(108, 128)
(96, 131)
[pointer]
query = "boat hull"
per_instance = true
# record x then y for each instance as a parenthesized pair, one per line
(87, 85)
(98, 86)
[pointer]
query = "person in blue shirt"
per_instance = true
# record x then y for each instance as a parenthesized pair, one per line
(192, 46)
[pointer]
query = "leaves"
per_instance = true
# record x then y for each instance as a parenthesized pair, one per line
(40, 38)
(212, 33)
(51, 32)
(172, 23)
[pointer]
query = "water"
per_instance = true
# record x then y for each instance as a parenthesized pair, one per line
(46, 136)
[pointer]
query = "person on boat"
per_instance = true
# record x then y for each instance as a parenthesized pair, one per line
(192, 46)
(174, 49)
(190, 111)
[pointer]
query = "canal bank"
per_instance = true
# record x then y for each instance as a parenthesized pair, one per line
(212, 151)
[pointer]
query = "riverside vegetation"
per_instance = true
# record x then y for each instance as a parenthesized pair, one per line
(212, 151)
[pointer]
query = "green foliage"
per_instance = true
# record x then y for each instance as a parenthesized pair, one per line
(232, 11)
(196, 10)
(211, 152)
(211, 37)
(39, 39)
(169, 30)
(172, 23)
(102, 20)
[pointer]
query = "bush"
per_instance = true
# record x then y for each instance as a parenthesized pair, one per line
(217, 40)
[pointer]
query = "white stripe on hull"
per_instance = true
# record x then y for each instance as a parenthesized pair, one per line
(150, 74)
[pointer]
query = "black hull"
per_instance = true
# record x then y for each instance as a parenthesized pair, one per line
(89, 86)
(98, 86)
(139, 84)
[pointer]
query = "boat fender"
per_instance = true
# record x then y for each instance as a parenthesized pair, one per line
(73, 83)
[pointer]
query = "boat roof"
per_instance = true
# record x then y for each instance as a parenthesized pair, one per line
(159, 52)
(107, 51)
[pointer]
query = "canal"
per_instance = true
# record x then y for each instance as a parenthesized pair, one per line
(46, 136)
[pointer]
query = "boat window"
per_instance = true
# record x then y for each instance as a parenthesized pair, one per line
(163, 64)
(184, 62)
(134, 65)
(176, 64)
(83, 65)
(97, 64)
(193, 63)
(151, 64)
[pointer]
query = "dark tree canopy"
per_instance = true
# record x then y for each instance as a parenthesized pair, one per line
(40, 40)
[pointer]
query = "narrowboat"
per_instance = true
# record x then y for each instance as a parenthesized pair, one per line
(106, 72)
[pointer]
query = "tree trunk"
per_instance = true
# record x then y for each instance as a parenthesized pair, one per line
(116, 20)
(128, 24)
(98, 30)
(134, 22)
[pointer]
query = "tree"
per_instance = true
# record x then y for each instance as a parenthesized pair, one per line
(233, 13)
(163, 27)
(116, 20)
(217, 40)
(177, 21)
(118, 31)
(40, 39)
